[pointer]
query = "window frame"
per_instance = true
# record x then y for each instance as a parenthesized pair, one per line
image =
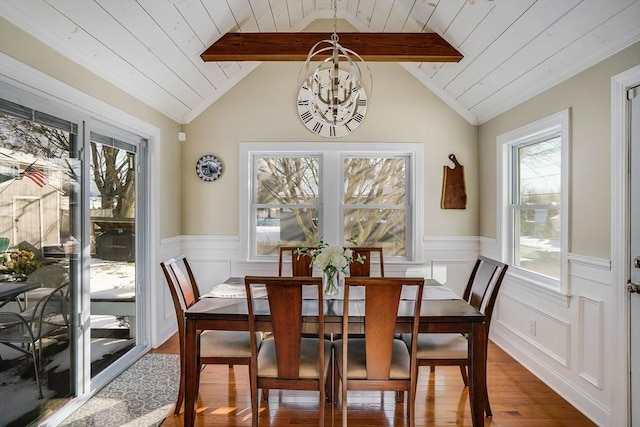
(330, 188)
(551, 126)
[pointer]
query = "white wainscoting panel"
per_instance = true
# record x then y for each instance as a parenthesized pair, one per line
(590, 340)
(451, 259)
(568, 345)
(544, 332)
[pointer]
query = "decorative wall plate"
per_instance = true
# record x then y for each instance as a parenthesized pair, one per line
(209, 168)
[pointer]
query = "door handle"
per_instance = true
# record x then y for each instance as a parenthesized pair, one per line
(633, 288)
(636, 262)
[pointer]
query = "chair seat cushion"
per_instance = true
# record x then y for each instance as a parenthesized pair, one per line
(226, 344)
(357, 364)
(267, 364)
(440, 346)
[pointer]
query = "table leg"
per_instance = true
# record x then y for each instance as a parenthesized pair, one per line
(191, 350)
(477, 374)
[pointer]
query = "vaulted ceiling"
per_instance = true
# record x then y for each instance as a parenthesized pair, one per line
(513, 49)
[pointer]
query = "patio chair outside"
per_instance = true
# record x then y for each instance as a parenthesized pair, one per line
(51, 277)
(25, 331)
(4, 244)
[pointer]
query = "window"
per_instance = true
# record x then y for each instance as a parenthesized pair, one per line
(534, 199)
(285, 201)
(375, 205)
(353, 191)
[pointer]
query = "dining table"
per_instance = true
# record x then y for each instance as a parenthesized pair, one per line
(225, 308)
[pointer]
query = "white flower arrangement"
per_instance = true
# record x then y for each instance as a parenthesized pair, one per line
(330, 259)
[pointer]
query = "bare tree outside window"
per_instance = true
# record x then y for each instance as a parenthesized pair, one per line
(287, 198)
(114, 177)
(375, 203)
(536, 206)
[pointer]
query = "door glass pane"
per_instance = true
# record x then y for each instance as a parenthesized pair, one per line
(113, 244)
(39, 212)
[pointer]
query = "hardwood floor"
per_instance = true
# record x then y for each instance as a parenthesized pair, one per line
(518, 399)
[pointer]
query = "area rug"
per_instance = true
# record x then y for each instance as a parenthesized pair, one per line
(141, 396)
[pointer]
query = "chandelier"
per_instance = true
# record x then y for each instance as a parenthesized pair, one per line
(332, 99)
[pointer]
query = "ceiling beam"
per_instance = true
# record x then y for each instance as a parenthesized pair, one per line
(372, 47)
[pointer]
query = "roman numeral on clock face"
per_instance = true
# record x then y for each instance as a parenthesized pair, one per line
(318, 127)
(306, 116)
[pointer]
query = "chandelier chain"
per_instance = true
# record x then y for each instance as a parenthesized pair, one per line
(334, 36)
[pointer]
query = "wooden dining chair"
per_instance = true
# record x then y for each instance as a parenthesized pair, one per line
(482, 289)
(300, 263)
(368, 253)
(216, 347)
(379, 360)
(289, 359)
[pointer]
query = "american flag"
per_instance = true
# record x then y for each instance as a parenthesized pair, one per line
(36, 175)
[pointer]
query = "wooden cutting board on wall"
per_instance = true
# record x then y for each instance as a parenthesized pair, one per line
(454, 194)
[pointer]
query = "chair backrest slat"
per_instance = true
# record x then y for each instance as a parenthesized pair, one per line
(357, 269)
(285, 304)
(484, 283)
(183, 288)
(300, 263)
(381, 310)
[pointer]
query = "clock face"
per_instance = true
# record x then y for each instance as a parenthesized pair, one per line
(316, 112)
(209, 168)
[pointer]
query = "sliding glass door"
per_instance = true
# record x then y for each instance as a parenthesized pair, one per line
(40, 178)
(72, 256)
(112, 234)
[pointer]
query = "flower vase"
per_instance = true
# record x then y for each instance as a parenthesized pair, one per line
(330, 281)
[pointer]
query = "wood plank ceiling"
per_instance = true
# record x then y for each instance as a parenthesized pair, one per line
(512, 49)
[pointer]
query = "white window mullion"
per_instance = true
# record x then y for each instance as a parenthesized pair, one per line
(332, 205)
